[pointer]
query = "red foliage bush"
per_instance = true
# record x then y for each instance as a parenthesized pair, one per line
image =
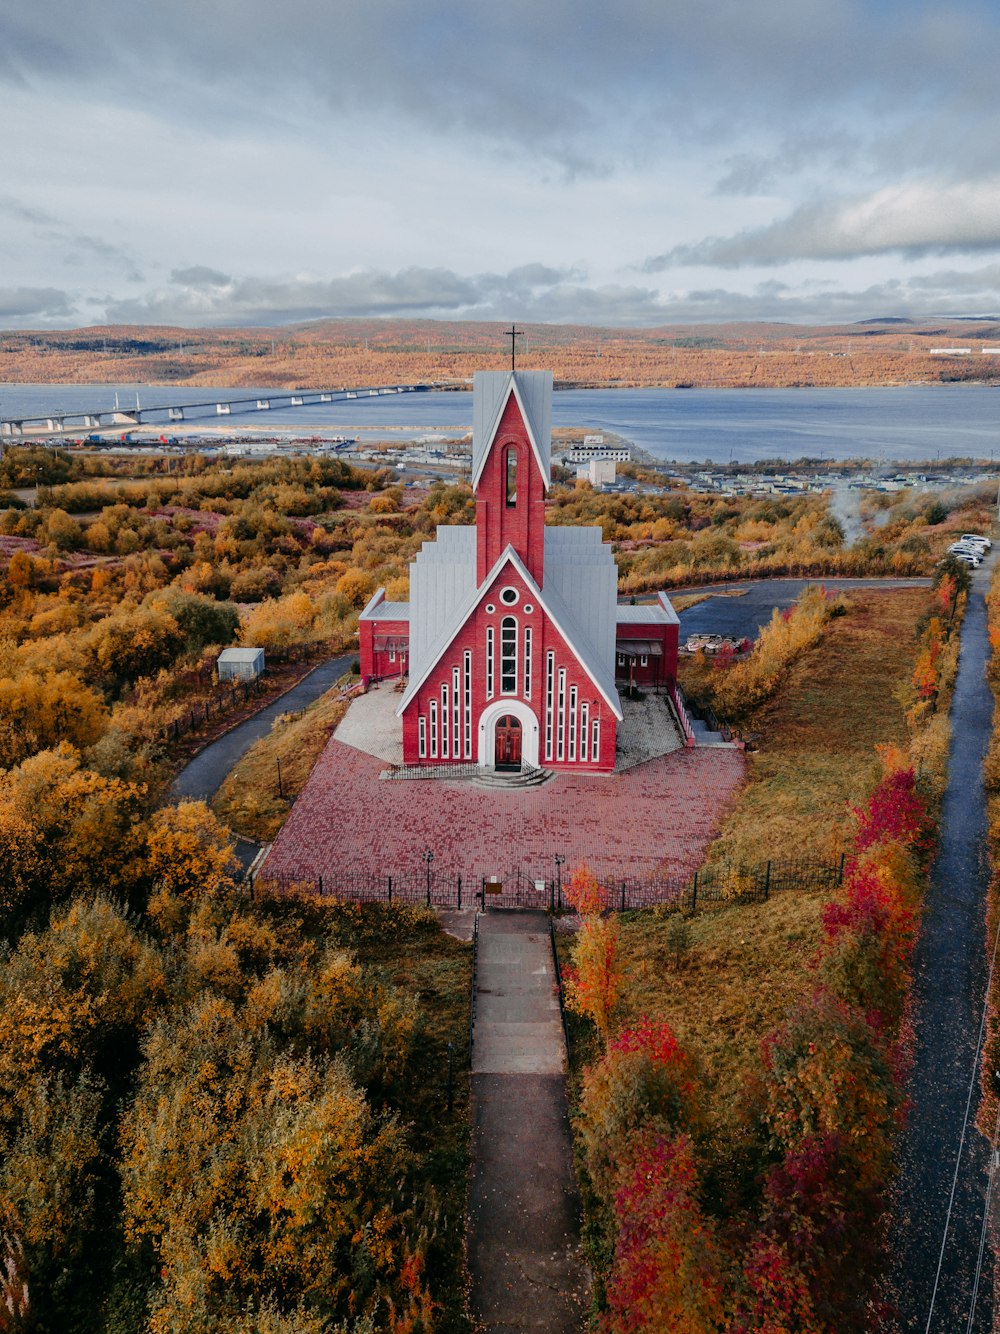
(896, 811)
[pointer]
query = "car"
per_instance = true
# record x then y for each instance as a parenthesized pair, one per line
(978, 539)
(967, 558)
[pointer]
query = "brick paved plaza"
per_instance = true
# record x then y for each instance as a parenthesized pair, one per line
(654, 820)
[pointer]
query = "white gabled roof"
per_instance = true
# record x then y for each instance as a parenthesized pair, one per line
(241, 654)
(551, 603)
(645, 613)
(491, 391)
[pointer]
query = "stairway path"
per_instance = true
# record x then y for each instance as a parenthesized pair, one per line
(524, 1215)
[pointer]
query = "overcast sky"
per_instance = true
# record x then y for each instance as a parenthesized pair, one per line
(639, 162)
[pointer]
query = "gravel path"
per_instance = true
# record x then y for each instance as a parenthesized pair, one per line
(948, 998)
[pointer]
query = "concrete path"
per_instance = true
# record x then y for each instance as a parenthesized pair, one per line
(524, 1214)
(202, 778)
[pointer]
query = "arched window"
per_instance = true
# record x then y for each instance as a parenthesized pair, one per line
(508, 656)
(511, 478)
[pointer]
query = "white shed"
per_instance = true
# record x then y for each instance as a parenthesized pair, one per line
(241, 664)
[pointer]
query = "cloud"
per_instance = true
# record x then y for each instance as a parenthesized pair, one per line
(203, 296)
(541, 294)
(913, 219)
(200, 276)
(533, 292)
(583, 82)
(21, 305)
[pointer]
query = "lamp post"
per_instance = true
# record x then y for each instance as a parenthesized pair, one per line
(428, 858)
(560, 861)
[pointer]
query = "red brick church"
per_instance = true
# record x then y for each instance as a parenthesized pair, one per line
(513, 640)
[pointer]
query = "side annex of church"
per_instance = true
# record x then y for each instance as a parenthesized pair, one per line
(513, 641)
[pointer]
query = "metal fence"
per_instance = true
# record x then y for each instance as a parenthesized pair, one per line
(226, 696)
(519, 889)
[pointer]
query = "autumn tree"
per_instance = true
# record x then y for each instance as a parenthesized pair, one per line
(594, 980)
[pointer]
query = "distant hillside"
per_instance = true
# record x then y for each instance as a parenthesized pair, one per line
(882, 350)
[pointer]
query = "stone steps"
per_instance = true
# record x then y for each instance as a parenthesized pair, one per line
(469, 773)
(526, 778)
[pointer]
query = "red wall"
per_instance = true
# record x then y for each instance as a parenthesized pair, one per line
(545, 637)
(661, 671)
(523, 525)
(375, 663)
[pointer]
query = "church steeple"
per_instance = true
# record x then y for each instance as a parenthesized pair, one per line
(512, 413)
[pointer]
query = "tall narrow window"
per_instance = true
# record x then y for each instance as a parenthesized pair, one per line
(584, 734)
(595, 741)
(561, 717)
(444, 722)
(550, 659)
(489, 662)
(467, 671)
(511, 478)
(527, 662)
(508, 656)
(572, 724)
(432, 709)
(456, 705)
(422, 736)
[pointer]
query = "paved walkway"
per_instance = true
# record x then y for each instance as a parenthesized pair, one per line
(524, 1214)
(651, 821)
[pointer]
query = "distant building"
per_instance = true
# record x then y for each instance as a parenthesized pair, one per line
(598, 472)
(584, 453)
(241, 664)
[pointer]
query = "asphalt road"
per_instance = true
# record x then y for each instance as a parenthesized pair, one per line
(746, 615)
(202, 778)
(949, 988)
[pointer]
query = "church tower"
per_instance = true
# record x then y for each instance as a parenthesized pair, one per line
(511, 442)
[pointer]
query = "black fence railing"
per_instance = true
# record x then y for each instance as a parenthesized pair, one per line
(227, 695)
(519, 889)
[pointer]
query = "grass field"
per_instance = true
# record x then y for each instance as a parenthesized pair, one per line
(816, 736)
(248, 801)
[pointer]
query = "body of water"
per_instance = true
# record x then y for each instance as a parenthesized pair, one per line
(891, 425)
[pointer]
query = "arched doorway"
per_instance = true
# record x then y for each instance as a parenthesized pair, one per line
(502, 711)
(507, 744)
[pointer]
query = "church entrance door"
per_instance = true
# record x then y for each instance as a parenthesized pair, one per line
(508, 743)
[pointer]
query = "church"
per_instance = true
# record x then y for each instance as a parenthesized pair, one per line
(513, 645)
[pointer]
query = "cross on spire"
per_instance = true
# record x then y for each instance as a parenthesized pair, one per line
(512, 333)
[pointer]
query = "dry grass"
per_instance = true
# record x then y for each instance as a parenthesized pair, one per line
(742, 968)
(817, 735)
(248, 801)
(726, 978)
